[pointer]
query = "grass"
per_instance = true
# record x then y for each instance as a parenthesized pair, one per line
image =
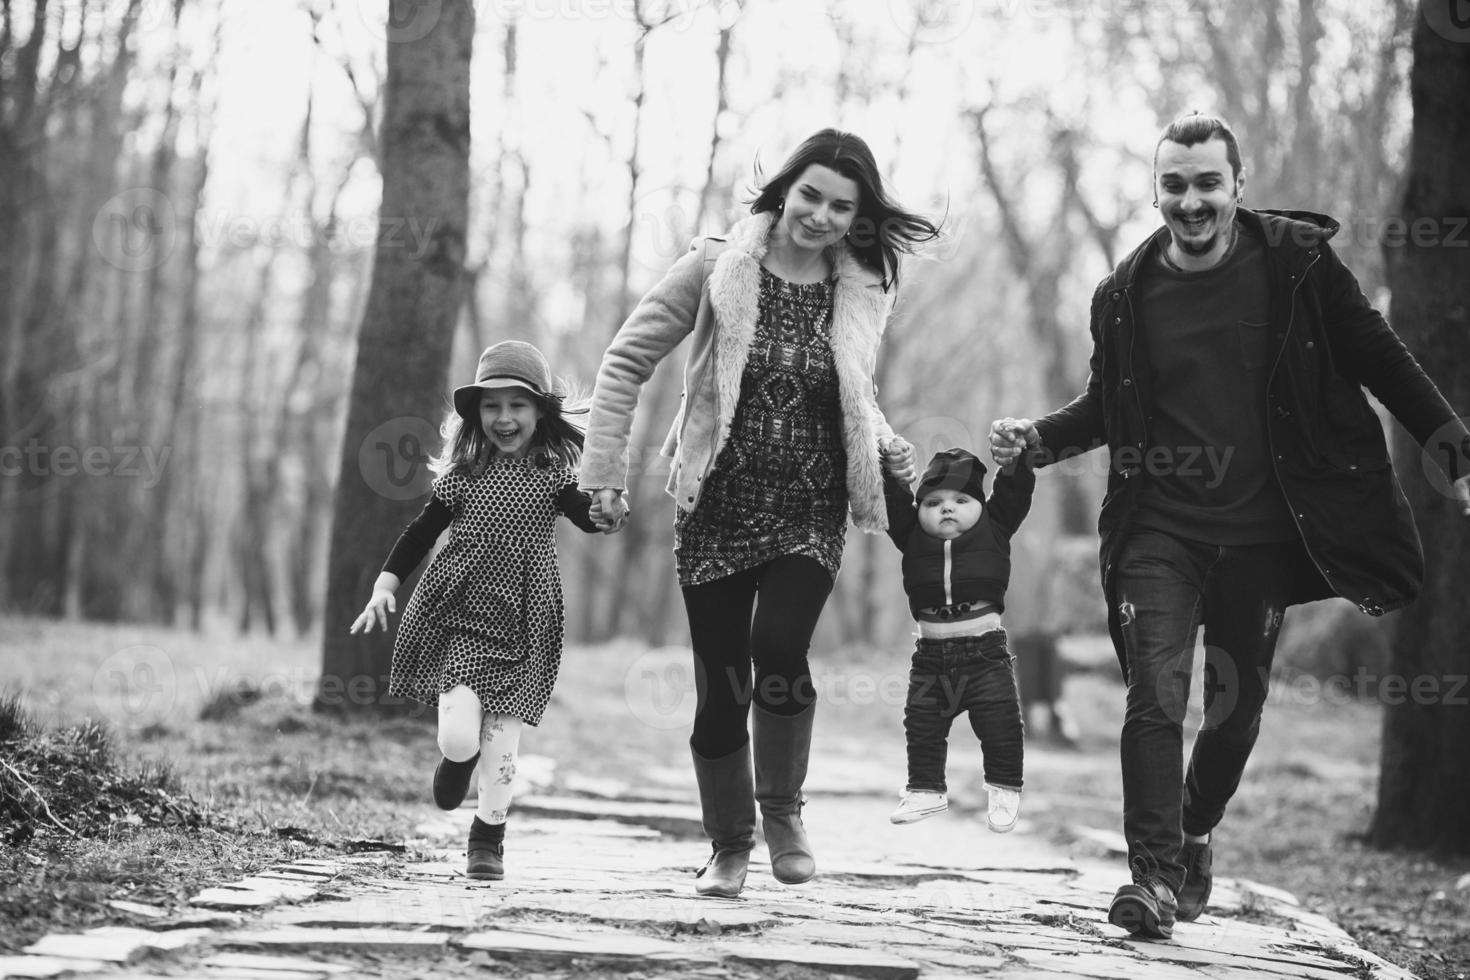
(192, 802)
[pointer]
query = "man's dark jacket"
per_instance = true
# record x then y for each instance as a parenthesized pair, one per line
(1326, 443)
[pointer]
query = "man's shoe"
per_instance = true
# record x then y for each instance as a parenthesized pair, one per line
(1198, 880)
(452, 782)
(1145, 908)
(919, 804)
(1005, 807)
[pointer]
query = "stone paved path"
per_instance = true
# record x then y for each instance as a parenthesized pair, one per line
(601, 885)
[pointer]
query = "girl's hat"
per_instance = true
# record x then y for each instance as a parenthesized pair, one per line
(508, 364)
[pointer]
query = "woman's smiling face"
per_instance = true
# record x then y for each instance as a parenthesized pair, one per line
(819, 207)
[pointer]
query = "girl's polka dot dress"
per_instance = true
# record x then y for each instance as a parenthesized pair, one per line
(488, 611)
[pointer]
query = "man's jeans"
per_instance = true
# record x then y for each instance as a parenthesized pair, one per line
(1166, 587)
(952, 676)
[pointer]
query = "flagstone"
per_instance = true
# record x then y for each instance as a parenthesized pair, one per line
(849, 962)
(47, 966)
(337, 940)
(546, 940)
(234, 898)
(258, 961)
(406, 907)
(667, 911)
(673, 817)
(113, 944)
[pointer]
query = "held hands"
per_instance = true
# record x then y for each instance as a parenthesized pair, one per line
(1009, 438)
(379, 606)
(898, 458)
(609, 510)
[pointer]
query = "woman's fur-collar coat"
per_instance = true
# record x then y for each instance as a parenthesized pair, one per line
(713, 292)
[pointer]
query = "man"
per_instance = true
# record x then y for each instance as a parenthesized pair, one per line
(1247, 473)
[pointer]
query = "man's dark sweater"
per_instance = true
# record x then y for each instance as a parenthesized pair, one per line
(1204, 336)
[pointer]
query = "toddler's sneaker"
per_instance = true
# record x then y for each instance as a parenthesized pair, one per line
(1005, 807)
(919, 804)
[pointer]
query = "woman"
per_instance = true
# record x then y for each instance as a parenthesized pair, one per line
(777, 438)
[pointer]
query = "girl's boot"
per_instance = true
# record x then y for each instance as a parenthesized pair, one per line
(452, 781)
(486, 851)
(727, 804)
(782, 746)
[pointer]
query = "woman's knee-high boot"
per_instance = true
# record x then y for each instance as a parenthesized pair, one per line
(782, 745)
(727, 804)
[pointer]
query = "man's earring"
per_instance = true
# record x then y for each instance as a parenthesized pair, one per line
(1156, 202)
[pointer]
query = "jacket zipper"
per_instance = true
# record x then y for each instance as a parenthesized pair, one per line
(948, 572)
(1137, 398)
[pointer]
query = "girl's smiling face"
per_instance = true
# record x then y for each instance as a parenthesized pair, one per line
(509, 417)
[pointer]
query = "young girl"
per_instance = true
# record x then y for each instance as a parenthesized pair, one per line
(481, 637)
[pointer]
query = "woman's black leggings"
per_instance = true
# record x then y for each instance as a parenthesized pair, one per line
(763, 616)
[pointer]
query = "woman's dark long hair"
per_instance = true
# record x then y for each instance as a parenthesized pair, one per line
(881, 228)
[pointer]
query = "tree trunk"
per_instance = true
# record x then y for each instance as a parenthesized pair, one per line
(401, 373)
(1424, 782)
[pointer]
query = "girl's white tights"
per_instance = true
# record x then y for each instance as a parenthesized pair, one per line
(464, 729)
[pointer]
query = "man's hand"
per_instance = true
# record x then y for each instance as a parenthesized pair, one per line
(1010, 437)
(1462, 494)
(609, 510)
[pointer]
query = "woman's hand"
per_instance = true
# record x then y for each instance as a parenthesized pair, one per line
(379, 606)
(898, 458)
(609, 510)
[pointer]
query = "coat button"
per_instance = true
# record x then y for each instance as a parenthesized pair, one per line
(1127, 382)
(1310, 345)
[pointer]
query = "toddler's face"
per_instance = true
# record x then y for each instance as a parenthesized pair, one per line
(509, 417)
(947, 514)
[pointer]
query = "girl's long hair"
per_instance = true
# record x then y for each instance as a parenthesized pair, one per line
(881, 229)
(559, 434)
